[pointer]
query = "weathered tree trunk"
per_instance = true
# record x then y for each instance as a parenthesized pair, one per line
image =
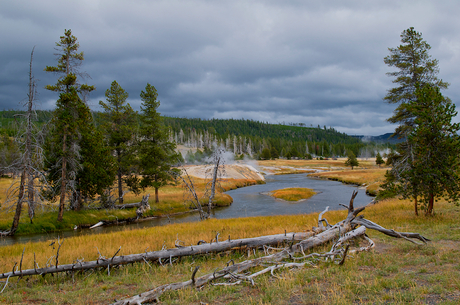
(213, 185)
(28, 148)
(196, 202)
(119, 176)
(167, 254)
(17, 214)
(429, 210)
(143, 206)
(63, 179)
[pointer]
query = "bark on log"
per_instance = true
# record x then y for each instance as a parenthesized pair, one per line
(372, 225)
(339, 229)
(167, 254)
(308, 243)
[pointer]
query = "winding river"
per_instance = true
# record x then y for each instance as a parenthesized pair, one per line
(247, 201)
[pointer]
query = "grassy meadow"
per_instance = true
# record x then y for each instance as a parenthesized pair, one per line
(279, 165)
(395, 272)
(370, 178)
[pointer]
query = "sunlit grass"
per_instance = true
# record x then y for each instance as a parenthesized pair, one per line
(371, 178)
(315, 164)
(293, 193)
(396, 272)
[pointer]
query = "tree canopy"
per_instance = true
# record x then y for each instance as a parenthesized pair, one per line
(425, 163)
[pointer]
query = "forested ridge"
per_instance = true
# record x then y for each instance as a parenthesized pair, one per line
(250, 128)
(240, 136)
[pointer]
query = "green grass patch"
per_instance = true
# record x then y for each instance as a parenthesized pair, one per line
(173, 200)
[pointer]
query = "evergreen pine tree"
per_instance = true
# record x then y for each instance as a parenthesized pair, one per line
(119, 124)
(72, 128)
(378, 159)
(156, 153)
(351, 161)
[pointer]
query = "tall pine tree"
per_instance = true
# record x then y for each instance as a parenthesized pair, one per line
(119, 125)
(415, 67)
(69, 159)
(155, 152)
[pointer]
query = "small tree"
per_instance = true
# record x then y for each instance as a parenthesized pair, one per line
(265, 155)
(378, 159)
(351, 161)
(274, 153)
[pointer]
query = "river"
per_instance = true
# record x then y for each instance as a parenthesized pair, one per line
(247, 201)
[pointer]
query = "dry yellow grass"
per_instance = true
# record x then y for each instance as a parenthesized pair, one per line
(293, 193)
(315, 164)
(372, 178)
(396, 272)
(137, 240)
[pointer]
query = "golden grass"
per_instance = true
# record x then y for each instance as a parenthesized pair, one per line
(396, 272)
(293, 193)
(4, 185)
(372, 178)
(137, 240)
(315, 164)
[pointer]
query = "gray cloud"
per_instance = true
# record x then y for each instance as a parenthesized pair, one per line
(316, 62)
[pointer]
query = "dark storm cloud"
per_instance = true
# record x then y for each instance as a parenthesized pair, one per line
(315, 62)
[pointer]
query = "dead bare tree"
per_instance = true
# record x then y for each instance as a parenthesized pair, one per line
(216, 170)
(190, 187)
(29, 163)
(217, 161)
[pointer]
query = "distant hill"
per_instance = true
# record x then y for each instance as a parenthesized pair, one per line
(385, 138)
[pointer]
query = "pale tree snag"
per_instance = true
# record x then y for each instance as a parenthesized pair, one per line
(29, 163)
(17, 213)
(191, 188)
(217, 159)
(143, 206)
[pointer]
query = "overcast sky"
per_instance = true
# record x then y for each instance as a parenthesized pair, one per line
(313, 62)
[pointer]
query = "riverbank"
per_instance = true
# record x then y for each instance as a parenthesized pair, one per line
(395, 272)
(173, 201)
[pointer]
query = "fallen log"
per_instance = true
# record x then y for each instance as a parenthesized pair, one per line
(338, 230)
(127, 206)
(100, 223)
(217, 246)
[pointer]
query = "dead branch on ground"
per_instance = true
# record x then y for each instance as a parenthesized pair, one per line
(232, 275)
